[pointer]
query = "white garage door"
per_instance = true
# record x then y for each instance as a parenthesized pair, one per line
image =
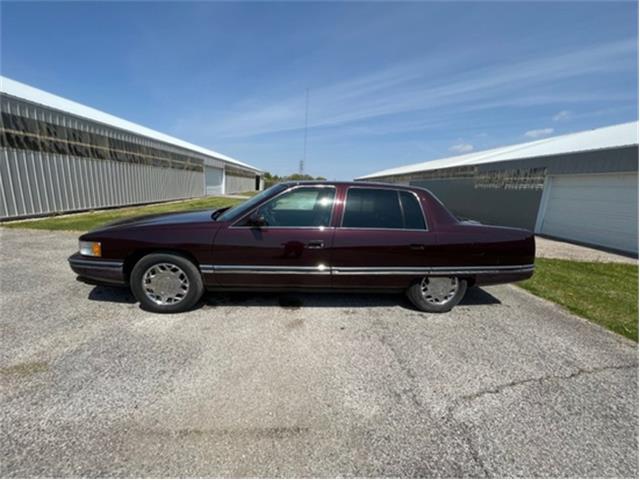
(597, 209)
(214, 178)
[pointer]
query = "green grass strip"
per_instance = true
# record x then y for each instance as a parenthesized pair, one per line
(605, 293)
(83, 222)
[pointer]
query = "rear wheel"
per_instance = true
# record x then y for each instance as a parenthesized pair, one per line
(166, 283)
(437, 294)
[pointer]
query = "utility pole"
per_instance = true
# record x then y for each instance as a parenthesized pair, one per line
(306, 127)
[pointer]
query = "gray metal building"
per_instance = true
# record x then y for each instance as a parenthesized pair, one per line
(581, 187)
(60, 156)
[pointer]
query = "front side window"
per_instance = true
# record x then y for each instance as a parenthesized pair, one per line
(242, 208)
(382, 208)
(300, 207)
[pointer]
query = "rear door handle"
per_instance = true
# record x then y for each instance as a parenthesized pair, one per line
(315, 244)
(416, 246)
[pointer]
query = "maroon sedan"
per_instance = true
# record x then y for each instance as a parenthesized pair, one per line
(308, 236)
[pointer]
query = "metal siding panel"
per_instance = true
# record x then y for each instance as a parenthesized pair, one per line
(236, 184)
(7, 185)
(39, 159)
(116, 181)
(50, 185)
(92, 182)
(113, 182)
(108, 182)
(36, 181)
(600, 209)
(27, 180)
(98, 186)
(105, 179)
(79, 173)
(122, 177)
(21, 206)
(75, 192)
(62, 169)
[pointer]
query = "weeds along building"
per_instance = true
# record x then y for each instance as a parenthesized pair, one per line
(60, 156)
(581, 187)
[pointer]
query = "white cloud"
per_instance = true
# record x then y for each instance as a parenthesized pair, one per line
(540, 132)
(562, 115)
(424, 85)
(461, 148)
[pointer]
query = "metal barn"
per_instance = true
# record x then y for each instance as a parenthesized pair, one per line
(581, 187)
(60, 156)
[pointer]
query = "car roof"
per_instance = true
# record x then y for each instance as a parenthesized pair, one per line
(355, 184)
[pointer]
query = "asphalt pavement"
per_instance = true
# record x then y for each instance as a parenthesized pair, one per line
(282, 385)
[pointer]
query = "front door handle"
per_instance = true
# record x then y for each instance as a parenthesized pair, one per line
(416, 246)
(315, 244)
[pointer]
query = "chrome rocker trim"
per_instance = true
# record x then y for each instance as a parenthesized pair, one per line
(326, 270)
(431, 270)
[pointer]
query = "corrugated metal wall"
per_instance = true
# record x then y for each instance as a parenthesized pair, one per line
(54, 162)
(35, 183)
(236, 184)
(508, 193)
(513, 208)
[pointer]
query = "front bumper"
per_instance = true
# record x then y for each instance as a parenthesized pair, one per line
(97, 270)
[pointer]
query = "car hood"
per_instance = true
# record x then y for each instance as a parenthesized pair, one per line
(197, 216)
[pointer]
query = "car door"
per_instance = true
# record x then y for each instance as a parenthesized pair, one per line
(382, 239)
(283, 242)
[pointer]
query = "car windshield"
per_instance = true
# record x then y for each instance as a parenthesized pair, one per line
(244, 207)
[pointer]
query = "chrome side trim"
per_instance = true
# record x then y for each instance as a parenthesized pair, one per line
(326, 270)
(206, 268)
(431, 270)
(97, 264)
(268, 270)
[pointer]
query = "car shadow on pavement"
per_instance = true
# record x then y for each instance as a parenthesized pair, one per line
(294, 300)
(111, 294)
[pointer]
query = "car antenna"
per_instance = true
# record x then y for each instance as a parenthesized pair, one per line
(306, 127)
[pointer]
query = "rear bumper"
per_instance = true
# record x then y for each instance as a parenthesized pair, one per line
(98, 271)
(509, 275)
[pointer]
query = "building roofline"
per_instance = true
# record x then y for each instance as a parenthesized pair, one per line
(49, 100)
(614, 136)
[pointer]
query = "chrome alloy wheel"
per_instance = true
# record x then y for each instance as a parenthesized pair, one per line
(165, 284)
(439, 290)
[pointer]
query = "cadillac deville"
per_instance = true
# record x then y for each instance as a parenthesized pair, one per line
(335, 236)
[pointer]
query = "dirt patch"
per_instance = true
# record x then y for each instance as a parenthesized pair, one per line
(25, 369)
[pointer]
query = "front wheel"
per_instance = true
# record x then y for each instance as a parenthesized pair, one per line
(166, 283)
(437, 294)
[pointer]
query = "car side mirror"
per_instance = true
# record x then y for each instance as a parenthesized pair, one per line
(256, 220)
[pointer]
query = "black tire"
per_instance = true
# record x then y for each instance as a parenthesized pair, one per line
(188, 299)
(414, 292)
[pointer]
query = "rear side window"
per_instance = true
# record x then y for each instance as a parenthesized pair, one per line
(382, 208)
(413, 216)
(372, 208)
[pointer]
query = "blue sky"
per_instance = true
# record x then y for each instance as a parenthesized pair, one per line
(389, 83)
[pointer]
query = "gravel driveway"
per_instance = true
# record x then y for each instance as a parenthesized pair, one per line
(302, 385)
(551, 248)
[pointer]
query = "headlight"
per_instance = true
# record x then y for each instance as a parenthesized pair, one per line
(91, 249)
